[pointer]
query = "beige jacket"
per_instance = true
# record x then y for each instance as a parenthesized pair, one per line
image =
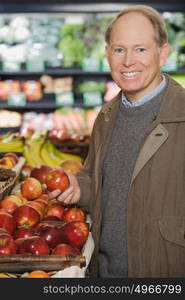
(156, 202)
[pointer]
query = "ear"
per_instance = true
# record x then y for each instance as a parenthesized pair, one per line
(164, 53)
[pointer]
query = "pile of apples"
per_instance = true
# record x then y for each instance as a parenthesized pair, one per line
(9, 160)
(31, 223)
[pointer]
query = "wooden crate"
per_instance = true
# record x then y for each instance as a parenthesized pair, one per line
(16, 263)
(18, 266)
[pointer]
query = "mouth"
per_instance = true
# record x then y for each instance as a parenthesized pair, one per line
(130, 74)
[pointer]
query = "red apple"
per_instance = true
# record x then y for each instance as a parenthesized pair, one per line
(42, 202)
(7, 222)
(51, 218)
(7, 162)
(34, 245)
(26, 216)
(56, 210)
(2, 210)
(3, 230)
(73, 214)
(10, 203)
(23, 199)
(50, 234)
(45, 197)
(38, 206)
(59, 135)
(13, 156)
(75, 233)
(40, 172)
(66, 249)
(57, 179)
(26, 171)
(31, 188)
(24, 232)
(7, 244)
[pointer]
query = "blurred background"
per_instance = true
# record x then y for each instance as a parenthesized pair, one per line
(54, 76)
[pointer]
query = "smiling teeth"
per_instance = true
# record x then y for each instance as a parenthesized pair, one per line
(130, 74)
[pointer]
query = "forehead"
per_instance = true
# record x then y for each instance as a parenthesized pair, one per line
(134, 27)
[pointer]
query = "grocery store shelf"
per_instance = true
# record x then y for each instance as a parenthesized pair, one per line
(54, 71)
(46, 104)
(67, 72)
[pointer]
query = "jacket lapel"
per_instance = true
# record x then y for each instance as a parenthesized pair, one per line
(172, 110)
(153, 142)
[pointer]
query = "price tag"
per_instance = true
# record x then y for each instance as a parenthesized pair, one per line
(11, 66)
(92, 99)
(35, 65)
(91, 64)
(16, 99)
(64, 98)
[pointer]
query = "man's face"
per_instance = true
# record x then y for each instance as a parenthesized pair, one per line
(134, 56)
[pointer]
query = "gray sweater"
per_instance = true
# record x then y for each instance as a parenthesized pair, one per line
(131, 127)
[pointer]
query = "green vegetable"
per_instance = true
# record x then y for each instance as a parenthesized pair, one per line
(91, 86)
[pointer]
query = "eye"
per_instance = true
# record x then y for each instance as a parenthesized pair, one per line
(118, 50)
(140, 50)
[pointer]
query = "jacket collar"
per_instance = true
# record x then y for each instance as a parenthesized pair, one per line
(172, 108)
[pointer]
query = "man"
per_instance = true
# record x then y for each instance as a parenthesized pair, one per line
(133, 182)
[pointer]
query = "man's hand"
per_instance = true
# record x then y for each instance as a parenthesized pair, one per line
(69, 196)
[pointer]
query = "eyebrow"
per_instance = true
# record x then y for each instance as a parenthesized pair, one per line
(137, 45)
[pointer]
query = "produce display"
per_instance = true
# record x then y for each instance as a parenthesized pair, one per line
(31, 89)
(175, 23)
(32, 225)
(10, 142)
(68, 42)
(72, 121)
(36, 149)
(10, 119)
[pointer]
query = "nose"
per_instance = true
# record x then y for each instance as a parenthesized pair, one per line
(128, 59)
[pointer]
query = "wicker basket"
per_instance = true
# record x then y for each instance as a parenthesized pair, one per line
(7, 186)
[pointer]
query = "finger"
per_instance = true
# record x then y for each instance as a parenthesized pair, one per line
(66, 194)
(54, 194)
(44, 187)
(69, 200)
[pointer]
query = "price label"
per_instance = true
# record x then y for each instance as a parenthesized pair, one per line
(64, 98)
(91, 64)
(92, 99)
(11, 66)
(17, 99)
(35, 65)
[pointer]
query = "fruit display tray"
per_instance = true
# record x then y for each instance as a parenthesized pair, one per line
(66, 266)
(7, 185)
(17, 263)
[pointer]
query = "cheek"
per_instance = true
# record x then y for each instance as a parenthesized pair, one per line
(152, 64)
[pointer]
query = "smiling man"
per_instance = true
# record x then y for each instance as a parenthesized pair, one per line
(133, 181)
(135, 54)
